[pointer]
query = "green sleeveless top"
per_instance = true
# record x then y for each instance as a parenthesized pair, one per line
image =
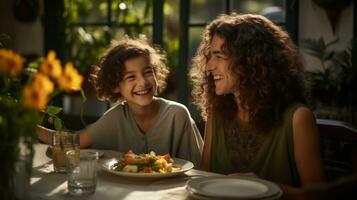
(273, 161)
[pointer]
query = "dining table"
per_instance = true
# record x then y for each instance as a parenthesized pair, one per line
(45, 184)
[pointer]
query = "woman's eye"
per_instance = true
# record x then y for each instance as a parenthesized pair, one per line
(148, 72)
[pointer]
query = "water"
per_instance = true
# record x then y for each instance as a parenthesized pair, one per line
(81, 186)
(81, 173)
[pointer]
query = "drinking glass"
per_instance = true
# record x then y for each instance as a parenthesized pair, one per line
(81, 172)
(63, 141)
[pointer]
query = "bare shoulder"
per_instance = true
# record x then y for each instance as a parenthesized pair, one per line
(304, 126)
(303, 115)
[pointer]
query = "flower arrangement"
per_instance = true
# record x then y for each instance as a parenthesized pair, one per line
(25, 90)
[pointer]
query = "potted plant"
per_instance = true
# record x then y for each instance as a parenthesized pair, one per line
(25, 90)
(332, 88)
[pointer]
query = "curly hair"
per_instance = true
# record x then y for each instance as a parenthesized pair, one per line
(107, 75)
(267, 66)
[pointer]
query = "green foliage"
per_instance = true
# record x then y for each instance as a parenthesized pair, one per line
(89, 29)
(52, 112)
(4, 40)
(16, 123)
(334, 84)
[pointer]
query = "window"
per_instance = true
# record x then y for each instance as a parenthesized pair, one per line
(90, 26)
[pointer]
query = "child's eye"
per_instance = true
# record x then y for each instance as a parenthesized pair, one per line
(132, 77)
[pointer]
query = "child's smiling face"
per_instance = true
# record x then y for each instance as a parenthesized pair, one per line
(138, 85)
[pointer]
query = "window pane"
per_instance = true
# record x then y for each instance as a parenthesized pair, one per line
(273, 9)
(86, 43)
(137, 11)
(171, 32)
(118, 33)
(195, 40)
(86, 11)
(202, 11)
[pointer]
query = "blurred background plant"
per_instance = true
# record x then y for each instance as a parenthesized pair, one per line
(25, 90)
(332, 88)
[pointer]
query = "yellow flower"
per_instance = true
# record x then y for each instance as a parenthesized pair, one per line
(70, 80)
(34, 98)
(51, 66)
(10, 62)
(43, 83)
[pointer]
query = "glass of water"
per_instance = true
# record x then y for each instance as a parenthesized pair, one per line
(81, 171)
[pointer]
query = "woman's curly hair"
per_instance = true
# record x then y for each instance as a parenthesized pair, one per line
(107, 75)
(267, 66)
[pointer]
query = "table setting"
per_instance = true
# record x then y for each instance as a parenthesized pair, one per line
(186, 183)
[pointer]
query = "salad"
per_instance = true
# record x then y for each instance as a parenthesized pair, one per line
(145, 163)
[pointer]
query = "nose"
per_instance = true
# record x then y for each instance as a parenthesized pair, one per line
(142, 81)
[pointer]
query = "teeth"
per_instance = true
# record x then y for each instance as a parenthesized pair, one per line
(142, 92)
(217, 77)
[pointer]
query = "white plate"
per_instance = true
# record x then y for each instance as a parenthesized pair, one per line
(107, 165)
(201, 197)
(92, 151)
(233, 187)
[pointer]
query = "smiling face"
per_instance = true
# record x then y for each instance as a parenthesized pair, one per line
(138, 85)
(219, 67)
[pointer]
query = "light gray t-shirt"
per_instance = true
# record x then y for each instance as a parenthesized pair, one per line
(174, 132)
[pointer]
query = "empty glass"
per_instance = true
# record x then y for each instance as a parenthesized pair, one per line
(82, 173)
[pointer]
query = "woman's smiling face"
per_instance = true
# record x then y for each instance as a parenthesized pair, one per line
(218, 66)
(138, 85)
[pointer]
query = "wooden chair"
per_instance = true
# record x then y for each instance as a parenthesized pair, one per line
(338, 147)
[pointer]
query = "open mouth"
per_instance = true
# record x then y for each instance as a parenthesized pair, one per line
(217, 77)
(142, 92)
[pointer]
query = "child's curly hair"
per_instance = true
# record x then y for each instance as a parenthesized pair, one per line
(107, 75)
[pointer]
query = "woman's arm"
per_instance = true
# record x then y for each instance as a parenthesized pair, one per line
(46, 136)
(307, 147)
(206, 154)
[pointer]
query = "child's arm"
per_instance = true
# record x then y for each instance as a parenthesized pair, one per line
(84, 139)
(46, 136)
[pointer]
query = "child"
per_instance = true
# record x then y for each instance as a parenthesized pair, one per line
(133, 72)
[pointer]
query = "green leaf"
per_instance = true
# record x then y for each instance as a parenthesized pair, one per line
(36, 63)
(58, 124)
(53, 110)
(41, 118)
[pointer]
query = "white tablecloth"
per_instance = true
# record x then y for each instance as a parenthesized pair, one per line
(46, 184)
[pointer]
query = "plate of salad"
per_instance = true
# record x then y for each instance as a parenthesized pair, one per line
(146, 165)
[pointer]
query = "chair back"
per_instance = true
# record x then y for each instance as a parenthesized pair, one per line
(338, 147)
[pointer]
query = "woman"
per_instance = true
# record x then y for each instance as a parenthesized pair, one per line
(249, 85)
